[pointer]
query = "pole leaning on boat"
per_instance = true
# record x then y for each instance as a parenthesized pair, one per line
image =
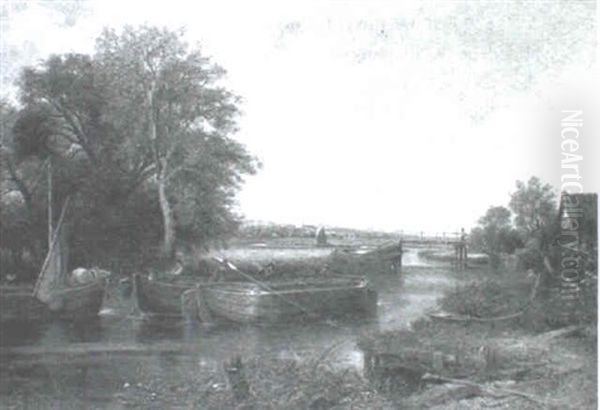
(264, 286)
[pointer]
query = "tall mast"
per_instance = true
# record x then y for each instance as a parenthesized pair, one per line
(50, 229)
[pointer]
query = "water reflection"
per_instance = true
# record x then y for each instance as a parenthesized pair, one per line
(96, 380)
(411, 258)
(17, 333)
(402, 299)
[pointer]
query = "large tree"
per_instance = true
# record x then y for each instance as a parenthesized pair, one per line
(167, 102)
(534, 205)
(142, 132)
(536, 219)
(65, 90)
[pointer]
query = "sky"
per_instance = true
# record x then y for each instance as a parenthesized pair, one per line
(413, 116)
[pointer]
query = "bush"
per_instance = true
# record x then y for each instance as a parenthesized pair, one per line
(489, 297)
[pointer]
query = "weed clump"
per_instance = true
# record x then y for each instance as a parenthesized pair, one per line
(486, 299)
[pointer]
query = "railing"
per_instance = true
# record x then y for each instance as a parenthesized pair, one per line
(443, 238)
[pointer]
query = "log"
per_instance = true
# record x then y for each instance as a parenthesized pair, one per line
(553, 334)
(498, 352)
(492, 391)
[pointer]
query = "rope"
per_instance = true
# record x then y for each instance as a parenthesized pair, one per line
(264, 286)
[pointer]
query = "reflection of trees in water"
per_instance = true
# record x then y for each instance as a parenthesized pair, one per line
(19, 334)
(97, 380)
(411, 258)
(169, 360)
(159, 329)
(86, 331)
(59, 333)
(53, 333)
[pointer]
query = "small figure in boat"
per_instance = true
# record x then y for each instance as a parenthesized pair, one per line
(225, 267)
(211, 269)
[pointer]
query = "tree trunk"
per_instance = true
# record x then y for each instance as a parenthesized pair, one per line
(50, 214)
(168, 246)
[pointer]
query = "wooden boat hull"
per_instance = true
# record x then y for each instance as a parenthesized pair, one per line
(251, 303)
(159, 298)
(17, 303)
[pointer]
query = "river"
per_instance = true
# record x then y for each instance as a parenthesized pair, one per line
(95, 380)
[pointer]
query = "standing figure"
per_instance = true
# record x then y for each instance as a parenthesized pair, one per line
(397, 259)
(461, 250)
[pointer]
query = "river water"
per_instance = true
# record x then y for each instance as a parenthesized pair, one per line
(95, 379)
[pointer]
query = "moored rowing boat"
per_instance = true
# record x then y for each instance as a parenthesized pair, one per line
(17, 303)
(160, 297)
(245, 302)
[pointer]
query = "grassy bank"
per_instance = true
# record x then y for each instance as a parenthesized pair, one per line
(265, 383)
(467, 360)
(519, 363)
(271, 384)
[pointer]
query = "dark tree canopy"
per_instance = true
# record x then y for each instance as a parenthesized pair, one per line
(140, 135)
(495, 233)
(181, 141)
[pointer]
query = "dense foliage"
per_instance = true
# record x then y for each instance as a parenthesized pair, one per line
(495, 234)
(528, 227)
(139, 135)
(550, 239)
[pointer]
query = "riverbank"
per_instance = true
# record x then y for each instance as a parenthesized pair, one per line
(125, 362)
(495, 350)
(437, 363)
(517, 363)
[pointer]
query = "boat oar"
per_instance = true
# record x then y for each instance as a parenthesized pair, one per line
(264, 286)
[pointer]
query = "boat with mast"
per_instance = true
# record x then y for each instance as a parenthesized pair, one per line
(53, 296)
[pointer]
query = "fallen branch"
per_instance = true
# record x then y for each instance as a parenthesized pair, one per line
(553, 334)
(490, 390)
(451, 317)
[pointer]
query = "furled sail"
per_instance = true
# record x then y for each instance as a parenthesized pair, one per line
(52, 277)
